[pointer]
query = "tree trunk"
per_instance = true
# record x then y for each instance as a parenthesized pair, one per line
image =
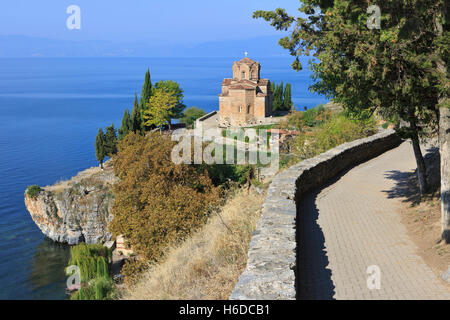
(421, 168)
(101, 165)
(444, 138)
(444, 150)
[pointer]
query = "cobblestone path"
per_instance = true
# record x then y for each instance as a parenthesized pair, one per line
(353, 223)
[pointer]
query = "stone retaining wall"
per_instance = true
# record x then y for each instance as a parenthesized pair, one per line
(270, 272)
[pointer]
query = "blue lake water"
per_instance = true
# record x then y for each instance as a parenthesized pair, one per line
(50, 112)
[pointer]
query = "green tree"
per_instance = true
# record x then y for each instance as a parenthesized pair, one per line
(272, 88)
(100, 152)
(174, 88)
(191, 114)
(160, 108)
(399, 70)
(287, 101)
(136, 115)
(146, 93)
(110, 143)
(278, 97)
(127, 125)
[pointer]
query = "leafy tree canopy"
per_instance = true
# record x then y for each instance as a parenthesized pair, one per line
(174, 88)
(160, 108)
(191, 114)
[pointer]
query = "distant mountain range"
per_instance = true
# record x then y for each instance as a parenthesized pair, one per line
(25, 46)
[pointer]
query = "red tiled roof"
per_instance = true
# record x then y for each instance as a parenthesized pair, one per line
(226, 82)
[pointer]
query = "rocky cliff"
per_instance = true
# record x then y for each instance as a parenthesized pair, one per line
(76, 210)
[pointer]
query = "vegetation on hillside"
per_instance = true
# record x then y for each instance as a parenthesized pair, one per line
(208, 264)
(157, 203)
(158, 106)
(33, 191)
(321, 129)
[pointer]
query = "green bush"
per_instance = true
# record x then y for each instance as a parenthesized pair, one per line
(33, 191)
(97, 289)
(309, 118)
(221, 173)
(333, 132)
(93, 261)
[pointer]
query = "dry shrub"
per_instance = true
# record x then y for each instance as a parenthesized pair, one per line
(157, 203)
(208, 264)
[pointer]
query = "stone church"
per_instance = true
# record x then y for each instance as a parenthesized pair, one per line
(246, 99)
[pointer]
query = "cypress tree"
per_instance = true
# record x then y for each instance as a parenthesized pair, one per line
(272, 88)
(145, 97)
(135, 116)
(110, 141)
(278, 97)
(287, 98)
(100, 147)
(126, 125)
(146, 89)
(275, 97)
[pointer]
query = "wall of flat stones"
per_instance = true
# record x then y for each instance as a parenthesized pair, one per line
(270, 272)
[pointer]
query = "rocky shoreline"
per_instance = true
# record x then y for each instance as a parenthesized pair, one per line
(77, 210)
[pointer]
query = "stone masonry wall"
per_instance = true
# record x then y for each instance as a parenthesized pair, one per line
(270, 272)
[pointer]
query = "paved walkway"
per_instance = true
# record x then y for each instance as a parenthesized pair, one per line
(353, 223)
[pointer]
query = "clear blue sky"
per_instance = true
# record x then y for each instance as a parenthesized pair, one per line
(156, 21)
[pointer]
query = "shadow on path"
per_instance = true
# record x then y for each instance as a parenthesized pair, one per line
(313, 277)
(406, 184)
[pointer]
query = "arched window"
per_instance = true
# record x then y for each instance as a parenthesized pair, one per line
(248, 109)
(243, 75)
(240, 109)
